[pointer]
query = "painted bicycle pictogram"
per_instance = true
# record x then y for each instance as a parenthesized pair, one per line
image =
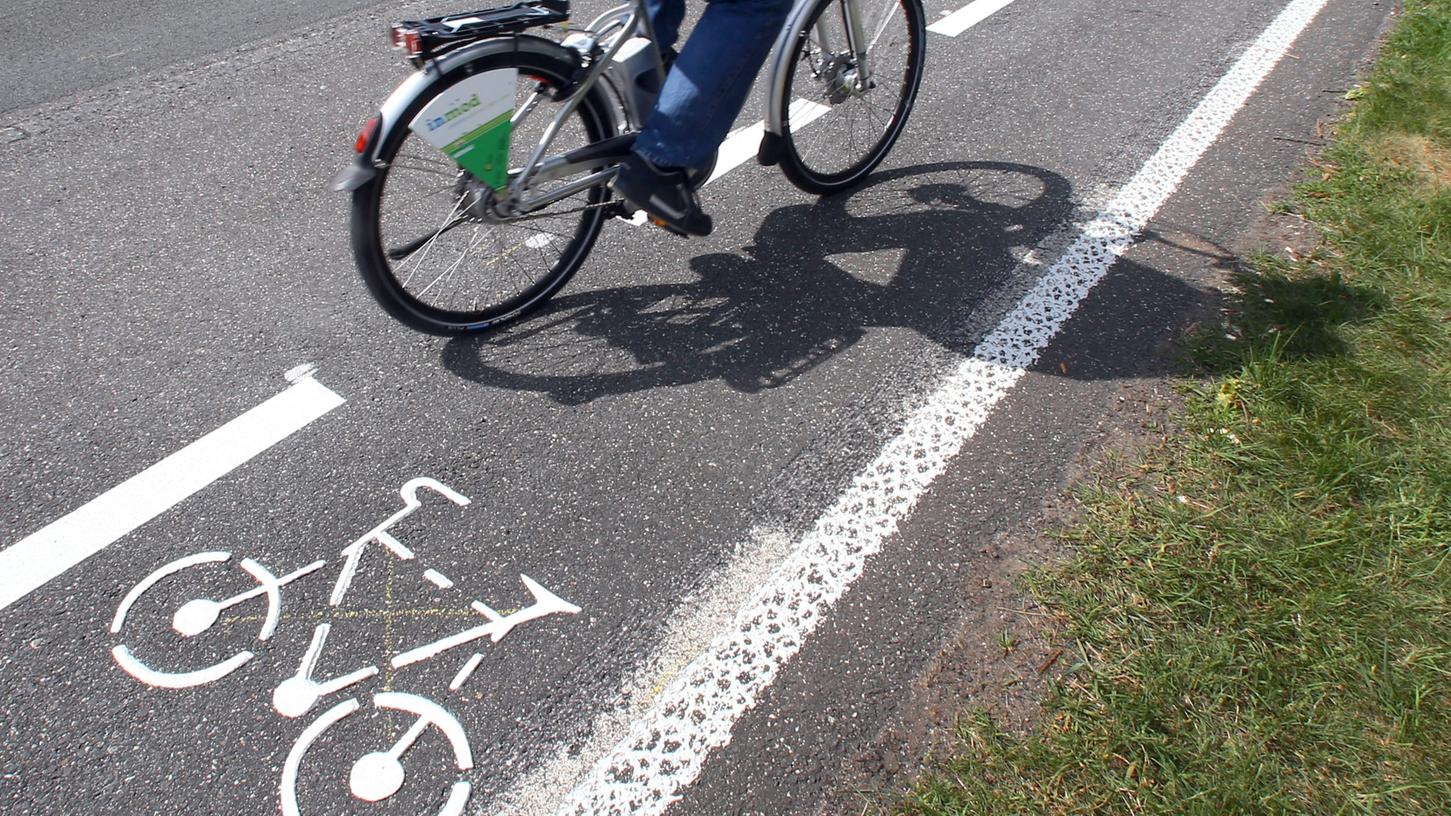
(377, 775)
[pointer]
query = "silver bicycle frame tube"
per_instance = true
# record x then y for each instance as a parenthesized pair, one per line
(856, 40)
(639, 18)
(566, 190)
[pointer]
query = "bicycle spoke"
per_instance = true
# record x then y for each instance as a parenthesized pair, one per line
(504, 253)
(427, 247)
(525, 109)
(399, 253)
(878, 108)
(868, 108)
(448, 272)
(433, 275)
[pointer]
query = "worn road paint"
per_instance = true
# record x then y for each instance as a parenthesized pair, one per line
(666, 748)
(64, 543)
(968, 16)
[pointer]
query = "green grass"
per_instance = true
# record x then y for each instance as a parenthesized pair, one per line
(1262, 608)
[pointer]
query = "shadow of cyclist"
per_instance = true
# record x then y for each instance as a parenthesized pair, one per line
(917, 248)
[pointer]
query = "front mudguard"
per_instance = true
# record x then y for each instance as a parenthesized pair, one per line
(406, 100)
(771, 145)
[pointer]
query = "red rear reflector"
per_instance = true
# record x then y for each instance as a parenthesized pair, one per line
(365, 137)
(406, 39)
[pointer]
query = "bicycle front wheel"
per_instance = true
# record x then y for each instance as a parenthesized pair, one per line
(836, 125)
(429, 246)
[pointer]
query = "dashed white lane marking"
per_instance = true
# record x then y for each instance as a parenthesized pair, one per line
(968, 16)
(36, 559)
(741, 145)
(666, 748)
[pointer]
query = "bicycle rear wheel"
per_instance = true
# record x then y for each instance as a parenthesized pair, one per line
(427, 244)
(834, 133)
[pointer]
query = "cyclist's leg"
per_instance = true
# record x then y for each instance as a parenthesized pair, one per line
(666, 17)
(709, 83)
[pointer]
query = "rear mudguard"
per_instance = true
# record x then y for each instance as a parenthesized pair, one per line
(403, 104)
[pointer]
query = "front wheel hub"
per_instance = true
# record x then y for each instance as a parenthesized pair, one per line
(838, 75)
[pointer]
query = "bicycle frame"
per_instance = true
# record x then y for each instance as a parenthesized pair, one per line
(600, 161)
(637, 16)
(626, 20)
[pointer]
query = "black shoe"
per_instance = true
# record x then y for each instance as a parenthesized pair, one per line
(664, 195)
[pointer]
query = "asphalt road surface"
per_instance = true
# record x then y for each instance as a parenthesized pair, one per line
(746, 476)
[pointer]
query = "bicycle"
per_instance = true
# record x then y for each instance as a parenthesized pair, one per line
(464, 236)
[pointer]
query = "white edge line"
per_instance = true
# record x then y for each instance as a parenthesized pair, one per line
(667, 747)
(36, 559)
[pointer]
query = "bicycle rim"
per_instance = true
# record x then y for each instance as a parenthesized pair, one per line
(836, 133)
(440, 261)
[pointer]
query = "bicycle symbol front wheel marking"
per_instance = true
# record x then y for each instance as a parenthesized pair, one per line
(378, 775)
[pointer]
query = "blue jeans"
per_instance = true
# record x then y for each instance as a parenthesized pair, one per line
(711, 78)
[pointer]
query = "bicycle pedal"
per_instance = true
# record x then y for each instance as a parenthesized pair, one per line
(629, 215)
(662, 225)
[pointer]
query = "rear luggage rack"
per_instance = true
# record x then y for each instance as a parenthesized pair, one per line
(423, 40)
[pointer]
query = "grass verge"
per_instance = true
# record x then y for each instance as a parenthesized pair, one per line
(1262, 611)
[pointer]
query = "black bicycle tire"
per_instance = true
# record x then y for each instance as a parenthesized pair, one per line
(792, 164)
(368, 251)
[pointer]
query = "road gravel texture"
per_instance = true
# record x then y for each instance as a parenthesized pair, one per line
(648, 448)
